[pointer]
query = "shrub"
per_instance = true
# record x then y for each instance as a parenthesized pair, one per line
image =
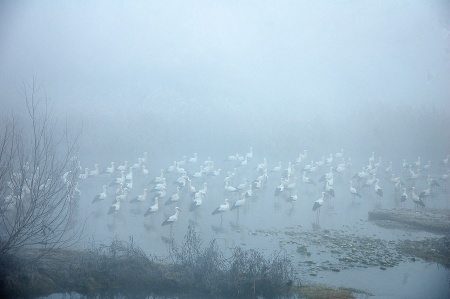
(246, 273)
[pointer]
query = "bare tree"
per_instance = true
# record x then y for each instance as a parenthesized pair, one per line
(38, 179)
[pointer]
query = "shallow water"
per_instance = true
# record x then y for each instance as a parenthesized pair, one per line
(261, 224)
(407, 280)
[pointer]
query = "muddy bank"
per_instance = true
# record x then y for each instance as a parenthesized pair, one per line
(431, 221)
(75, 271)
(431, 249)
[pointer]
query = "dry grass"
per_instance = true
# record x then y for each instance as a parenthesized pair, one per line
(124, 268)
(326, 292)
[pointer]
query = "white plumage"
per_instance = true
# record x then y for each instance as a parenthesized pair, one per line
(101, 196)
(193, 159)
(222, 208)
(172, 219)
(154, 208)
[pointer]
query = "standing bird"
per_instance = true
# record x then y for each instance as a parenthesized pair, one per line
(114, 208)
(238, 203)
(300, 157)
(110, 169)
(277, 168)
(329, 191)
(403, 197)
(159, 179)
(84, 175)
(95, 172)
(137, 165)
(232, 158)
(243, 185)
(292, 198)
(279, 189)
(101, 196)
(307, 180)
(141, 198)
(425, 193)
(174, 198)
(144, 170)
(416, 199)
(353, 191)
(427, 166)
(172, 219)
(193, 159)
(432, 182)
(123, 196)
(378, 189)
(291, 186)
(160, 186)
(197, 201)
(129, 176)
(222, 208)
(388, 170)
(153, 209)
(372, 158)
(122, 167)
(144, 159)
(119, 181)
(244, 162)
(317, 204)
(417, 163)
(339, 154)
(262, 166)
(413, 175)
(228, 188)
(249, 155)
(444, 179)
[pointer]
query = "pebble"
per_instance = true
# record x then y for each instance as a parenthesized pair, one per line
(335, 270)
(342, 250)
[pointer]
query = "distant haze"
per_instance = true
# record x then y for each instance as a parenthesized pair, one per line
(228, 69)
(154, 83)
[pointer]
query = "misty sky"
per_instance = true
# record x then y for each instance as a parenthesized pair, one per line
(262, 51)
(239, 62)
(215, 77)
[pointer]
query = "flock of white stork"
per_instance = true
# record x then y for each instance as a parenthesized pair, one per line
(189, 185)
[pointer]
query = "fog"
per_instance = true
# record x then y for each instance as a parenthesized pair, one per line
(172, 78)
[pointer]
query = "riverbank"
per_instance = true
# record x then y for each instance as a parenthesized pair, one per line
(127, 271)
(437, 221)
(124, 269)
(431, 249)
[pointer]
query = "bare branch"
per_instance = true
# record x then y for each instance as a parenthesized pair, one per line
(36, 206)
